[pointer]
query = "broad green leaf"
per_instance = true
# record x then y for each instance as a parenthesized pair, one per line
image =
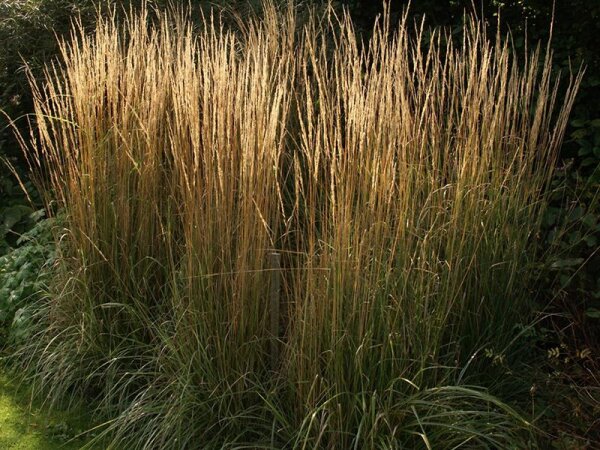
(11, 216)
(593, 313)
(567, 262)
(578, 123)
(591, 240)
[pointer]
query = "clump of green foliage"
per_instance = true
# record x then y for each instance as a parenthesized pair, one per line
(15, 214)
(24, 273)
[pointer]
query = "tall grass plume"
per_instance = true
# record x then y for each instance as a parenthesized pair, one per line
(402, 181)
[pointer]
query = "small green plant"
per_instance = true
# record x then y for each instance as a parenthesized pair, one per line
(16, 214)
(23, 275)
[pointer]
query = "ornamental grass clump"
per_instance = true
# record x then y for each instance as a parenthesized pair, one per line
(402, 181)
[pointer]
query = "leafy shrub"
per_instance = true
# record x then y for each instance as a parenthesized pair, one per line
(24, 273)
(16, 213)
(573, 232)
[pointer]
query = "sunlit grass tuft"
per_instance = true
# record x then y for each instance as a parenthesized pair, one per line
(402, 182)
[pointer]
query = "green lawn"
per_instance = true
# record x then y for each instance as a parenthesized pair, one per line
(23, 426)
